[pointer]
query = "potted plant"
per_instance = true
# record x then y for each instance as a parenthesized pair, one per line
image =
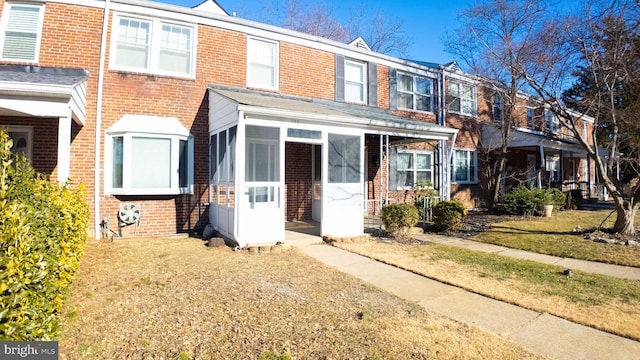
(547, 203)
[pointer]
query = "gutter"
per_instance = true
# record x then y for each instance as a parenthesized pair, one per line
(98, 135)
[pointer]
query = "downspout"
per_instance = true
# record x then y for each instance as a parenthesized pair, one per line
(98, 137)
(444, 160)
(380, 153)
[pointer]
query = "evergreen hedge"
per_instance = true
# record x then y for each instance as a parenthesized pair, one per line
(43, 230)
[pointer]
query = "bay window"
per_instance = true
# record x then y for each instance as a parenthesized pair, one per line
(141, 161)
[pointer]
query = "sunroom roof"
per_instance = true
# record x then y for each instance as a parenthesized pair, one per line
(371, 119)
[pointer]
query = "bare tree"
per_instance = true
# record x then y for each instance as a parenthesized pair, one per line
(320, 18)
(496, 38)
(602, 49)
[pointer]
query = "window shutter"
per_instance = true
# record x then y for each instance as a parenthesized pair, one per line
(21, 33)
(373, 84)
(393, 168)
(339, 78)
(393, 89)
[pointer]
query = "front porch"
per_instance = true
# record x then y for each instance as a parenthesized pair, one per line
(278, 158)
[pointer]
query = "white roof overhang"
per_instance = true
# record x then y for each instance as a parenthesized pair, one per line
(145, 124)
(44, 100)
(332, 114)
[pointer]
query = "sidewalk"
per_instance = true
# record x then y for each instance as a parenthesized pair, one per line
(624, 272)
(538, 332)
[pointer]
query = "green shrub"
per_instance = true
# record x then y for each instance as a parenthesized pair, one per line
(43, 229)
(574, 199)
(522, 200)
(272, 355)
(399, 218)
(448, 215)
(559, 199)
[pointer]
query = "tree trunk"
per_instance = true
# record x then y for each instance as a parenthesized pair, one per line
(625, 219)
(497, 179)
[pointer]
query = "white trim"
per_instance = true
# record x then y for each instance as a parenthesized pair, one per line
(26, 129)
(3, 28)
(414, 93)
(474, 95)
(276, 64)
(64, 148)
(414, 170)
(475, 170)
(364, 68)
(155, 127)
(153, 45)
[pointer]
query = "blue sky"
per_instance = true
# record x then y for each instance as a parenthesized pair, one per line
(424, 21)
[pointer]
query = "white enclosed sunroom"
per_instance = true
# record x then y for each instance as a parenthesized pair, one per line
(259, 142)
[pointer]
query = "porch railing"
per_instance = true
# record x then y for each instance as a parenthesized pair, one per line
(373, 210)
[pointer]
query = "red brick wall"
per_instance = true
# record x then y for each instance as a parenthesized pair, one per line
(298, 179)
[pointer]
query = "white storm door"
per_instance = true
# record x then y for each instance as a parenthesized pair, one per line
(262, 216)
(343, 191)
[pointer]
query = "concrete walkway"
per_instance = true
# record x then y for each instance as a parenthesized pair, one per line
(538, 332)
(624, 272)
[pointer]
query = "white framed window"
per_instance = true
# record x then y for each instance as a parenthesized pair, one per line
(414, 167)
(152, 46)
(498, 108)
(461, 98)
(531, 122)
(262, 165)
(552, 166)
(355, 82)
(21, 31)
(344, 159)
(146, 155)
(464, 166)
(22, 137)
(415, 93)
(552, 124)
(262, 64)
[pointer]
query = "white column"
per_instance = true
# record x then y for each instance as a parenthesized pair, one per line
(64, 148)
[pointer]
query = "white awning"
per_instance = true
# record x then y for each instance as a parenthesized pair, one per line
(146, 124)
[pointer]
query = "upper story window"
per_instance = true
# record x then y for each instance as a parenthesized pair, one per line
(498, 108)
(21, 31)
(414, 167)
(461, 98)
(414, 93)
(355, 81)
(531, 124)
(262, 64)
(152, 46)
(552, 124)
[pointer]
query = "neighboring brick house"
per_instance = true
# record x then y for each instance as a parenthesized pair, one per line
(196, 116)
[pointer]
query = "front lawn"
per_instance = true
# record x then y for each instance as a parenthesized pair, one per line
(177, 299)
(556, 236)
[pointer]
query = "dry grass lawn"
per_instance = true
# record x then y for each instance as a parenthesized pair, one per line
(598, 301)
(177, 299)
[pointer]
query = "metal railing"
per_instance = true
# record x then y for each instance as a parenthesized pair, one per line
(373, 210)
